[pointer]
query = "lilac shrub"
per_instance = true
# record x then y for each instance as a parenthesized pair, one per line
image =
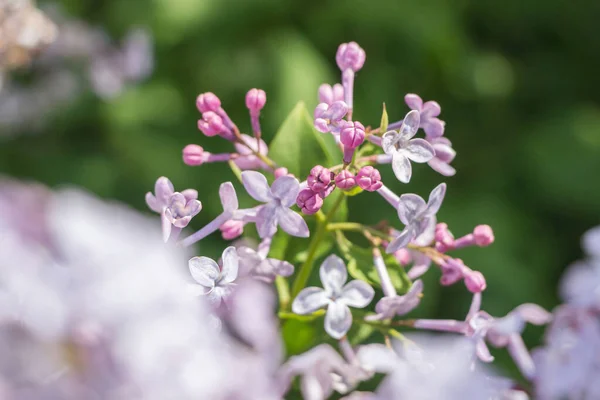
(96, 302)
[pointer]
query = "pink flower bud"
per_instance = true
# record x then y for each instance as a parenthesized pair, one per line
(255, 100)
(345, 180)
(452, 271)
(443, 237)
(369, 179)
(193, 155)
(309, 201)
(475, 281)
(231, 229)
(281, 171)
(350, 56)
(319, 178)
(484, 235)
(403, 256)
(211, 124)
(352, 134)
(208, 102)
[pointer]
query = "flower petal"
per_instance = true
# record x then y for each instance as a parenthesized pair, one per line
(228, 197)
(333, 274)
(204, 271)
(248, 260)
(286, 189)
(482, 351)
(401, 241)
(401, 167)
(280, 267)
(309, 300)
(410, 207)
(533, 314)
(410, 125)
(190, 194)
(230, 264)
(433, 127)
(518, 352)
(441, 167)
(163, 189)
(591, 242)
(430, 109)
(256, 185)
(153, 203)
(266, 220)
(165, 220)
(338, 319)
(357, 294)
(292, 222)
(419, 150)
(436, 197)
(414, 101)
(388, 140)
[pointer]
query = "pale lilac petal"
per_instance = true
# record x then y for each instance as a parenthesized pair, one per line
(409, 207)
(204, 271)
(591, 242)
(436, 197)
(333, 274)
(338, 319)
(413, 101)
(166, 225)
(434, 128)
(266, 220)
(229, 271)
(427, 236)
(430, 109)
(163, 189)
(257, 186)
(377, 357)
(190, 194)
(309, 300)
(519, 353)
(280, 267)
(401, 241)
(181, 222)
(419, 150)
(482, 351)
(357, 294)
(286, 189)
(418, 270)
(442, 167)
(153, 203)
(248, 260)
(533, 314)
(443, 150)
(410, 125)
(292, 222)
(228, 197)
(388, 141)
(401, 167)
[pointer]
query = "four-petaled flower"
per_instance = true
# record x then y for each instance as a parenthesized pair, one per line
(403, 148)
(278, 198)
(336, 296)
(214, 282)
(433, 126)
(181, 209)
(259, 266)
(416, 215)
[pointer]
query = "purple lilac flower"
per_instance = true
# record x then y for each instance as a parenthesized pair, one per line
(329, 94)
(278, 198)
(433, 127)
(214, 282)
(336, 296)
(256, 264)
(444, 155)
(328, 118)
(416, 215)
(403, 148)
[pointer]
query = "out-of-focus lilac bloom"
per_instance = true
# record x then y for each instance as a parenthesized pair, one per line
(330, 94)
(444, 155)
(403, 148)
(567, 366)
(278, 198)
(590, 242)
(259, 266)
(433, 126)
(580, 284)
(416, 215)
(390, 306)
(215, 282)
(328, 118)
(181, 209)
(247, 159)
(337, 296)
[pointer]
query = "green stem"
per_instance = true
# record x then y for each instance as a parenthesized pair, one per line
(356, 227)
(283, 291)
(306, 318)
(307, 266)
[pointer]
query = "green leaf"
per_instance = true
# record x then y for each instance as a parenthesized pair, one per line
(360, 265)
(384, 121)
(299, 147)
(298, 336)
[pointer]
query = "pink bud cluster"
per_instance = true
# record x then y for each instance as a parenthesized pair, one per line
(454, 269)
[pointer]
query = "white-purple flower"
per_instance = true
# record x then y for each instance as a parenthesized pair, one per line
(215, 282)
(403, 148)
(433, 126)
(256, 264)
(328, 117)
(337, 296)
(417, 216)
(278, 198)
(390, 306)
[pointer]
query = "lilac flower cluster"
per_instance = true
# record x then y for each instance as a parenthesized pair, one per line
(93, 306)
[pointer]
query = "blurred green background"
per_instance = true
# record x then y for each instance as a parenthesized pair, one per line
(517, 80)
